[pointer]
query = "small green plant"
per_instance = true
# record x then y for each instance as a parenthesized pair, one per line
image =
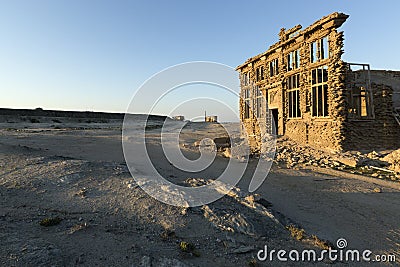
(46, 222)
(188, 248)
(296, 232)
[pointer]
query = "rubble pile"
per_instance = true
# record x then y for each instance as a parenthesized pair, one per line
(394, 160)
(374, 164)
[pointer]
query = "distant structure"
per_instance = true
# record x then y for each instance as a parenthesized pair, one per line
(179, 118)
(313, 97)
(210, 118)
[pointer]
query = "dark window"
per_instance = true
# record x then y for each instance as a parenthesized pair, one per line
(246, 97)
(273, 67)
(260, 73)
(319, 92)
(289, 62)
(294, 96)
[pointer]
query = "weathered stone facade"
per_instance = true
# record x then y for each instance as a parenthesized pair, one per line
(301, 87)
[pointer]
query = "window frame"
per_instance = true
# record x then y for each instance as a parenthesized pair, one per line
(258, 102)
(273, 67)
(319, 49)
(319, 86)
(293, 60)
(293, 88)
(246, 102)
(260, 73)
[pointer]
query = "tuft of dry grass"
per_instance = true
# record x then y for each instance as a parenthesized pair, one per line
(321, 243)
(188, 248)
(300, 234)
(46, 222)
(252, 263)
(296, 232)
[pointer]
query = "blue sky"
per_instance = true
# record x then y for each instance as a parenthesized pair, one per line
(93, 55)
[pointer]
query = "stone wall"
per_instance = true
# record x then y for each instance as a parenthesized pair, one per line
(381, 132)
(336, 131)
(390, 78)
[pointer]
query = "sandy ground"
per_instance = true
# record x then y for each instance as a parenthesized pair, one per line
(77, 173)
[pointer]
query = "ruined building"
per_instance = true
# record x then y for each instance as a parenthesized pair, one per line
(301, 88)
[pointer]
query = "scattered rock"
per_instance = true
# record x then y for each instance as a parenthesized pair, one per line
(37, 253)
(244, 249)
(82, 193)
(226, 221)
(377, 190)
(227, 153)
(295, 155)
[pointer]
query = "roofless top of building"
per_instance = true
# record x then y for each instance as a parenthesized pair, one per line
(295, 34)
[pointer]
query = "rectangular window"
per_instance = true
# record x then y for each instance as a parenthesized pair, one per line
(293, 60)
(246, 96)
(258, 102)
(276, 67)
(257, 75)
(325, 48)
(244, 78)
(260, 73)
(319, 50)
(273, 67)
(247, 109)
(294, 96)
(360, 96)
(289, 62)
(360, 102)
(319, 91)
(314, 52)
(297, 59)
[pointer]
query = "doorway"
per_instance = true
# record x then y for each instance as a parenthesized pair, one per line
(274, 123)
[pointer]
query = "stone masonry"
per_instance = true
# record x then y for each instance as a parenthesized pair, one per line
(301, 88)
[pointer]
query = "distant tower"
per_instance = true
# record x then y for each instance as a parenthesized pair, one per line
(205, 115)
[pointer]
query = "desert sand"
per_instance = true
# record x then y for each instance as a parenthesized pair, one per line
(74, 175)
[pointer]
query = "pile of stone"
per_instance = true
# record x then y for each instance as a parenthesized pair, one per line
(394, 159)
(374, 164)
(291, 154)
